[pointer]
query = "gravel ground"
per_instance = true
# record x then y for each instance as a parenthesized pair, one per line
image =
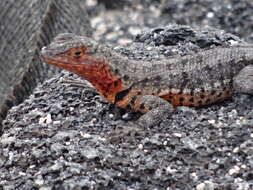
(65, 137)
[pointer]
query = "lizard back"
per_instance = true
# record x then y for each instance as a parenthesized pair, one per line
(192, 80)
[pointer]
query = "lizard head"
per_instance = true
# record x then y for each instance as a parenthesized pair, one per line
(79, 55)
(69, 51)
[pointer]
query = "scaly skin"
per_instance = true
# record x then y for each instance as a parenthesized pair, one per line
(193, 80)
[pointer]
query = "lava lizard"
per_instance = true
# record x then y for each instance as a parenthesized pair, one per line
(153, 87)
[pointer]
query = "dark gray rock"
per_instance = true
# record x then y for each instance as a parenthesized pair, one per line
(59, 139)
(27, 26)
(218, 13)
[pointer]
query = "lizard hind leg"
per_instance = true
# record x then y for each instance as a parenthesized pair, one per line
(243, 82)
(155, 108)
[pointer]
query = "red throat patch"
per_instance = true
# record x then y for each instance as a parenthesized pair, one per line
(95, 71)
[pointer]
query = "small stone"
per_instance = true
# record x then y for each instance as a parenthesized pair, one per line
(124, 41)
(22, 174)
(91, 2)
(111, 115)
(32, 166)
(86, 135)
(140, 146)
(111, 36)
(45, 188)
(42, 120)
(234, 170)
(210, 15)
(201, 186)
(56, 122)
(48, 119)
(179, 135)
(145, 150)
(7, 140)
(233, 114)
(212, 121)
(169, 170)
(94, 120)
(210, 185)
(39, 182)
(91, 153)
(207, 185)
(127, 116)
(236, 150)
(134, 30)
(55, 167)
(194, 176)
(233, 42)
(243, 186)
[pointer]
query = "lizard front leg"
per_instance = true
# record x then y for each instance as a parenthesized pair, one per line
(155, 109)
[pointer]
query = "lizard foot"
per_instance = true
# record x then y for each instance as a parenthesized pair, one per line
(158, 110)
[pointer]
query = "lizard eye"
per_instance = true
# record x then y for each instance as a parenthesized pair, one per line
(77, 52)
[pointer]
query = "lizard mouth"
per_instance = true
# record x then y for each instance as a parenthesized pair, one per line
(79, 67)
(56, 60)
(65, 63)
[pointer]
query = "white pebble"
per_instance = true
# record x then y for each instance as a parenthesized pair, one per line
(86, 135)
(48, 119)
(111, 115)
(210, 15)
(234, 170)
(140, 146)
(212, 121)
(236, 150)
(39, 182)
(201, 186)
(179, 135)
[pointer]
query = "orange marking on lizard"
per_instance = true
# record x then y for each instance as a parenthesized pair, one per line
(96, 72)
(197, 100)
